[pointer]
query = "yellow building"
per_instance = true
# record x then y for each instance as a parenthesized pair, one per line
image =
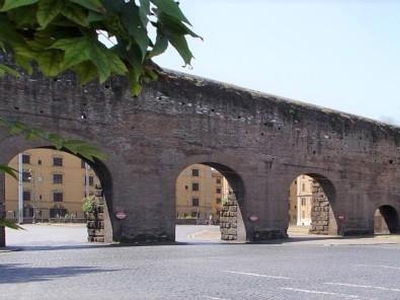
(52, 187)
(300, 201)
(200, 191)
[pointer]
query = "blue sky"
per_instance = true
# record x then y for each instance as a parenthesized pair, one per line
(342, 54)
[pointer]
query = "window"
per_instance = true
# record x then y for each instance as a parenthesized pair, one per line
(57, 161)
(26, 196)
(26, 159)
(57, 178)
(39, 162)
(303, 187)
(85, 165)
(218, 190)
(218, 180)
(195, 201)
(26, 176)
(303, 201)
(195, 186)
(57, 196)
(195, 172)
(218, 200)
(91, 180)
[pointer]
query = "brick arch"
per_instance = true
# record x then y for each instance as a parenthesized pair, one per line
(386, 220)
(235, 205)
(323, 206)
(99, 167)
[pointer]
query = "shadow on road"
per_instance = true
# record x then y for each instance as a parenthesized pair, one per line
(16, 273)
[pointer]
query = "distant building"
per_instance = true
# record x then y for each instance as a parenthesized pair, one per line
(200, 191)
(54, 185)
(300, 201)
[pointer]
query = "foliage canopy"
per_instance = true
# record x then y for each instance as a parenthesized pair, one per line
(60, 35)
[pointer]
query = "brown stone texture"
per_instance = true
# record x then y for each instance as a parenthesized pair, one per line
(319, 210)
(259, 142)
(229, 219)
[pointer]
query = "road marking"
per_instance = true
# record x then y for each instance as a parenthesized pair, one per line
(257, 275)
(363, 286)
(215, 298)
(327, 293)
(378, 266)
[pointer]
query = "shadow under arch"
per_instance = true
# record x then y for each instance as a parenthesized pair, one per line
(237, 191)
(101, 171)
(322, 193)
(386, 220)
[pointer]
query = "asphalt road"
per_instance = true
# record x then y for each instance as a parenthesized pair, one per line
(205, 270)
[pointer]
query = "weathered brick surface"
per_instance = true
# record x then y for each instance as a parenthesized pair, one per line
(259, 142)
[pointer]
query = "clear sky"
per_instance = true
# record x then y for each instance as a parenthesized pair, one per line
(340, 54)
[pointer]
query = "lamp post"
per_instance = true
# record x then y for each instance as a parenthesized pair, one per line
(20, 191)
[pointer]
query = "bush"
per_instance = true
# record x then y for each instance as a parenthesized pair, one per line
(89, 204)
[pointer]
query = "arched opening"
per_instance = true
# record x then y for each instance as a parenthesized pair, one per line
(310, 208)
(51, 188)
(208, 198)
(386, 220)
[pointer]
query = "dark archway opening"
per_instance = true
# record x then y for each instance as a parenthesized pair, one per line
(208, 198)
(386, 220)
(51, 189)
(310, 206)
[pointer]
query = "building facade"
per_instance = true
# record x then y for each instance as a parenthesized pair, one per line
(300, 201)
(52, 186)
(200, 192)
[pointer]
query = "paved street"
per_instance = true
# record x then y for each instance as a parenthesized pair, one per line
(63, 266)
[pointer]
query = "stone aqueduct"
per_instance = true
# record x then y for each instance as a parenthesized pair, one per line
(259, 142)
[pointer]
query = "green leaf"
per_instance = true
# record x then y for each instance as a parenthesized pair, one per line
(50, 62)
(171, 26)
(113, 6)
(86, 72)
(75, 50)
(24, 17)
(131, 20)
(98, 56)
(94, 5)
(134, 81)
(23, 62)
(170, 7)
(48, 10)
(7, 70)
(76, 14)
(8, 170)
(180, 44)
(17, 128)
(144, 11)
(160, 46)
(56, 140)
(11, 4)
(95, 17)
(10, 224)
(116, 64)
(84, 149)
(8, 32)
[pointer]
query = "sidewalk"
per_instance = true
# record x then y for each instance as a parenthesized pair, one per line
(300, 235)
(51, 236)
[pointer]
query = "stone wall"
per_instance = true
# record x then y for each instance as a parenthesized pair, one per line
(96, 219)
(229, 219)
(319, 210)
(259, 142)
